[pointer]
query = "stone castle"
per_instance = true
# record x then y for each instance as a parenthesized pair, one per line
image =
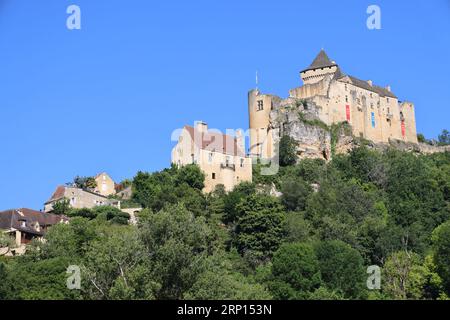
(329, 96)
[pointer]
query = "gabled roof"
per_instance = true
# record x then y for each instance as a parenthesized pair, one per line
(58, 194)
(321, 61)
(215, 142)
(383, 92)
(14, 218)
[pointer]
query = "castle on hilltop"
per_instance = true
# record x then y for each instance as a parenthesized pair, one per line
(373, 112)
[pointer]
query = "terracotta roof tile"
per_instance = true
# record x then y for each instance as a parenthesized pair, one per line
(214, 141)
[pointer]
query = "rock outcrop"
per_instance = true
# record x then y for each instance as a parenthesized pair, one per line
(299, 119)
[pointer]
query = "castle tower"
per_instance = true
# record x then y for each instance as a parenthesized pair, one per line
(259, 107)
(319, 68)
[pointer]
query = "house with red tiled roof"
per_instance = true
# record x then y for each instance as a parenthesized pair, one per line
(24, 225)
(220, 156)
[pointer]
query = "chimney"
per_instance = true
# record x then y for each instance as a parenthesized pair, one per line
(369, 82)
(201, 126)
(240, 140)
(388, 88)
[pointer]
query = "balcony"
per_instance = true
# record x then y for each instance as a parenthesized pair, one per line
(227, 166)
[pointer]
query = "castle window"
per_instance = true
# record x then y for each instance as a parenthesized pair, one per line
(346, 98)
(210, 156)
(213, 175)
(345, 87)
(242, 163)
(387, 99)
(260, 105)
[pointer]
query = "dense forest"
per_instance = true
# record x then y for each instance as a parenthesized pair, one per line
(308, 232)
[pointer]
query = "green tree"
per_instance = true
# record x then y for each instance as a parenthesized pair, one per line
(61, 207)
(220, 281)
(40, 279)
(287, 151)
(178, 243)
(295, 191)
(233, 198)
(441, 248)
(297, 228)
(115, 266)
(341, 268)
(4, 283)
(85, 182)
(112, 214)
(444, 138)
(260, 225)
(421, 138)
(192, 175)
(295, 271)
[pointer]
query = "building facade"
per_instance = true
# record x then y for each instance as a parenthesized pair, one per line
(78, 198)
(24, 225)
(221, 157)
(374, 113)
(105, 184)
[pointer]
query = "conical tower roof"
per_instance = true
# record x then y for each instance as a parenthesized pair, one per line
(321, 61)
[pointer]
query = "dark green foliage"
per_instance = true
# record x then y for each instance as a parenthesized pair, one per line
(191, 175)
(441, 243)
(295, 193)
(4, 283)
(341, 268)
(112, 214)
(177, 242)
(61, 207)
(259, 227)
(287, 151)
(314, 241)
(232, 199)
(295, 271)
(85, 182)
(444, 138)
(40, 279)
(171, 186)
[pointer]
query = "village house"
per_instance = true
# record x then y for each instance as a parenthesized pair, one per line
(24, 225)
(221, 157)
(105, 184)
(79, 198)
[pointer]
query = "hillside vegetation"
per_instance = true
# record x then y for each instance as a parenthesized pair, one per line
(314, 241)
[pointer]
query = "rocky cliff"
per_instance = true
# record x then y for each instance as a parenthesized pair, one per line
(299, 119)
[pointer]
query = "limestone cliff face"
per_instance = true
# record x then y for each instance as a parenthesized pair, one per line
(299, 119)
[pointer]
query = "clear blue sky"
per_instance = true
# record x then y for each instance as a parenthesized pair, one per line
(107, 97)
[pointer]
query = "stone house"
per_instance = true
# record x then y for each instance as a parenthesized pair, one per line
(105, 184)
(24, 225)
(78, 198)
(221, 157)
